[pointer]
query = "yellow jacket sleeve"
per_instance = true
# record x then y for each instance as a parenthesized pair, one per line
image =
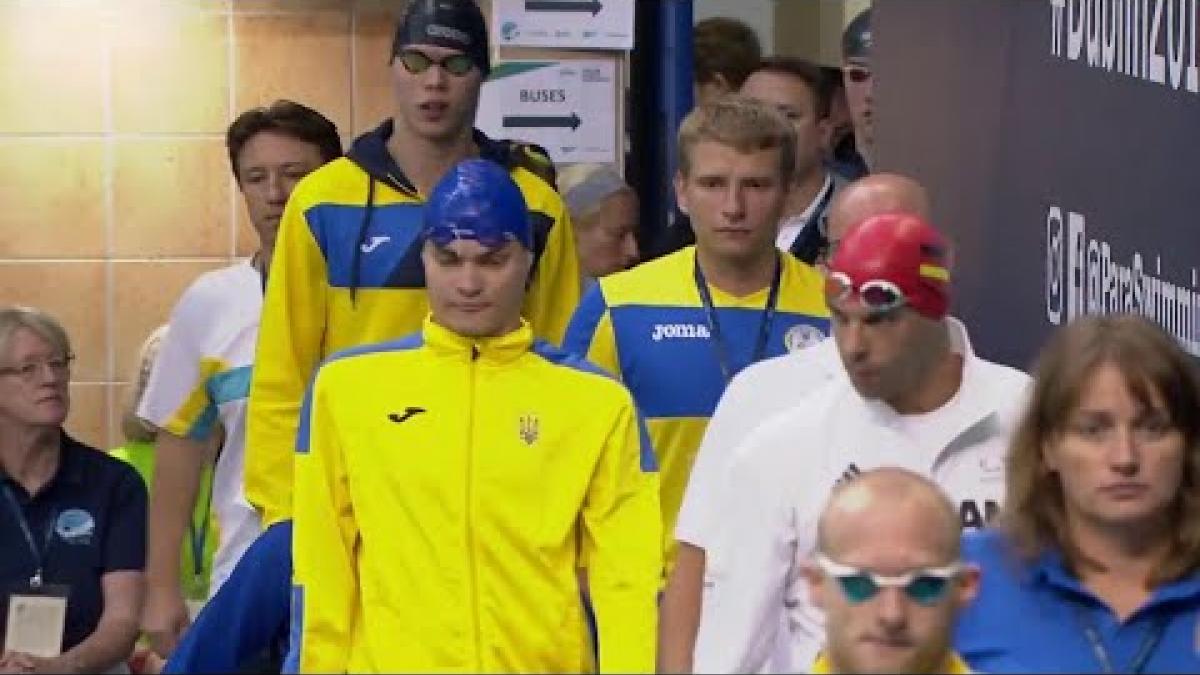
(556, 285)
(591, 335)
(325, 593)
(622, 544)
(290, 339)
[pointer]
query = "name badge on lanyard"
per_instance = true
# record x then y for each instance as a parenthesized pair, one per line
(37, 619)
(37, 611)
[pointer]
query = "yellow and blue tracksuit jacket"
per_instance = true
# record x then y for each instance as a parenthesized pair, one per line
(347, 271)
(446, 490)
(648, 326)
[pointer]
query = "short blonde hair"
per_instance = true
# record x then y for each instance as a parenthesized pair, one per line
(15, 317)
(1153, 365)
(742, 124)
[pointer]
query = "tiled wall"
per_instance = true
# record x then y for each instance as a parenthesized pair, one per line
(115, 190)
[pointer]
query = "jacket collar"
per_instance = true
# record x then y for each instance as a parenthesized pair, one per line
(369, 151)
(490, 350)
(1050, 569)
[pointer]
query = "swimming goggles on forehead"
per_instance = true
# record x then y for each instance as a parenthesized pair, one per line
(926, 586)
(877, 295)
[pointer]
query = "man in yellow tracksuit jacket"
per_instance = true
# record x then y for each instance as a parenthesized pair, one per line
(347, 268)
(449, 484)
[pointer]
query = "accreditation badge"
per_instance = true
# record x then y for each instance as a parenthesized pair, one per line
(36, 619)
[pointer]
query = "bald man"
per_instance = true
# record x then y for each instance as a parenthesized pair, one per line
(898, 385)
(888, 577)
(755, 394)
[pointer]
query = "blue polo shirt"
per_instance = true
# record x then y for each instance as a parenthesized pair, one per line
(1031, 617)
(90, 519)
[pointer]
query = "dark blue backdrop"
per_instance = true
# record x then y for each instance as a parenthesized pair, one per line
(1067, 186)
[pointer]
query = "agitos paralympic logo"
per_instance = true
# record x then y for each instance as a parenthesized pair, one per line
(1084, 276)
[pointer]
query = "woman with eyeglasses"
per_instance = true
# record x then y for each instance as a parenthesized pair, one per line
(72, 519)
(1095, 566)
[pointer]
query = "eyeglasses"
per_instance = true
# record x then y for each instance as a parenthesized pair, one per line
(59, 366)
(926, 587)
(417, 62)
(878, 295)
(857, 74)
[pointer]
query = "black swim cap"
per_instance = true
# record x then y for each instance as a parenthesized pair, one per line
(453, 24)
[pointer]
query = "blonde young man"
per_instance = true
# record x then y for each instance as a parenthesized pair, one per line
(449, 485)
(347, 268)
(677, 329)
(755, 395)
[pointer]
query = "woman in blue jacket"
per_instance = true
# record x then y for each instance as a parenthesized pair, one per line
(1096, 564)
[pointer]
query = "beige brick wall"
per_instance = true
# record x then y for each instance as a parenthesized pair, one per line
(115, 191)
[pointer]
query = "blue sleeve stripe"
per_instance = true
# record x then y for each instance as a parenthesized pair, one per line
(291, 663)
(230, 385)
(560, 357)
(412, 341)
(304, 430)
(582, 329)
(649, 461)
(568, 359)
(203, 427)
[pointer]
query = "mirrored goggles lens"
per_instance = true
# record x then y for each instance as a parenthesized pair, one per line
(417, 62)
(877, 295)
(924, 590)
(926, 587)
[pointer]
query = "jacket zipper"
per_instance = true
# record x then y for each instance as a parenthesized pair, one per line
(470, 493)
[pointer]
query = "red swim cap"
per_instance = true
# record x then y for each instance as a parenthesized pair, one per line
(902, 249)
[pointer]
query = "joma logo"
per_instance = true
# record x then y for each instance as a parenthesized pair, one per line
(666, 331)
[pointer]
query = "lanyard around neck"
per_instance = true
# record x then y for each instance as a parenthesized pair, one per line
(714, 325)
(1145, 650)
(39, 554)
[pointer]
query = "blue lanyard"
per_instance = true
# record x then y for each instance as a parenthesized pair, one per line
(714, 326)
(1149, 643)
(39, 554)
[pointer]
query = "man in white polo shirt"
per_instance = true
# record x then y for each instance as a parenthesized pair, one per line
(908, 399)
(755, 394)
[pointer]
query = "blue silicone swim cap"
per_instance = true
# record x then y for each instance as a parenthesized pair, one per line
(477, 199)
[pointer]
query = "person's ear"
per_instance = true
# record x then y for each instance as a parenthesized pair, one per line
(723, 84)
(814, 578)
(681, 193)
(825, 134)
(968, 585)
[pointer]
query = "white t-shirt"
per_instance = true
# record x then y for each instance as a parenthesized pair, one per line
(755, 605)
(755, 395)
(202, 377)
(790, 228)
